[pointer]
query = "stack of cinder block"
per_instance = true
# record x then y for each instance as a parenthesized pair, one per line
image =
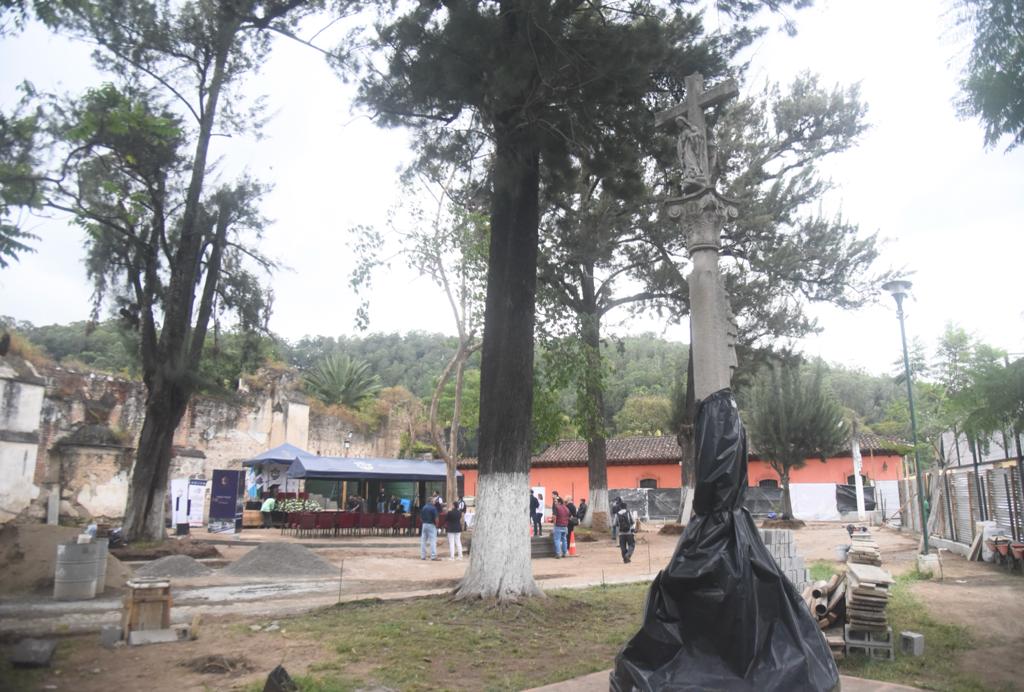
(781, 545)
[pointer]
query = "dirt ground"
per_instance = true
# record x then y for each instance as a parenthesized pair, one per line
(983, 598)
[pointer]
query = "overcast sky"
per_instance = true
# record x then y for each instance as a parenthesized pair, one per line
(950, 211)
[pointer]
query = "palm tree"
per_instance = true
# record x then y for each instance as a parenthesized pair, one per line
(337, 379)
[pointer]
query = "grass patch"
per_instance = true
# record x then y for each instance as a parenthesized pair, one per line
(822, 570)
(434, 643)
(944, 643)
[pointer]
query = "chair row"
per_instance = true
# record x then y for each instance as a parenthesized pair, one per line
(349, 523)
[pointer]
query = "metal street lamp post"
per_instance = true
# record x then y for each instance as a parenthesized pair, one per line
(899, 290)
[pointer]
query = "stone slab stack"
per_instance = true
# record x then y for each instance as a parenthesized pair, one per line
(782, 546)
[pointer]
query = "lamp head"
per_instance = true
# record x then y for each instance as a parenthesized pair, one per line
(898, 288)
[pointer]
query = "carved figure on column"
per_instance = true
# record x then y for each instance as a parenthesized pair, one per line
(691, 148)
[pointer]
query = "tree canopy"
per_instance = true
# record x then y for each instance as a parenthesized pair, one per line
(992, 85)
(793, 418)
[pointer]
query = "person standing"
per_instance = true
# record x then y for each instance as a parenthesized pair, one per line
(453, 527)
(627, 530)
(382, 502)
(428, 532)
(265, 511)
(581, 511)
(461, 506)
(617, 504)
(561, 513)
(573, 521)
(535, 514)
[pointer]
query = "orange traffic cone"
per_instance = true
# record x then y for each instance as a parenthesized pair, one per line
(572, 543)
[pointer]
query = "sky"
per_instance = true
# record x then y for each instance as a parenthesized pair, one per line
(949, 212)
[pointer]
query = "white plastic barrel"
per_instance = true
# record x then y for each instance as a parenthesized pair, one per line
(75, 576)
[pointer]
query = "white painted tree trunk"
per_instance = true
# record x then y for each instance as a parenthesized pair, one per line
(598, 505)
(687, 513)
(499, 565)
(857, 480)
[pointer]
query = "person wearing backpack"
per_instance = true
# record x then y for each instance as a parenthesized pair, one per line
(573, 520)
(627, 529)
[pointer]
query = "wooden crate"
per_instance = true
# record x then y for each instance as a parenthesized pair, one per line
(147, 606)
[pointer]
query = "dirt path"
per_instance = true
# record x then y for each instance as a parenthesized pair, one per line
(981, 597)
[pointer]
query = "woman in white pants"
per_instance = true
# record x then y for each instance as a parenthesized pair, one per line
(453, 527)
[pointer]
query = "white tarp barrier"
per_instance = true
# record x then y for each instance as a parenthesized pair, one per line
(887, 497)
(814, 500)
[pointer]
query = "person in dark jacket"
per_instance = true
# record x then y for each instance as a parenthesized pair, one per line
(561, 513)
(573, 521)
(428, 532)
(453, 526)
(581, 511)
(627, 530)
(535, 514)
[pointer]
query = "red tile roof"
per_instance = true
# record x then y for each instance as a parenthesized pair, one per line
(639, 450)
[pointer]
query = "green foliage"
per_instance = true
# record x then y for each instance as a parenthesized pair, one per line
(822, 570)
(413, 360)
(340, 380)
(794, 418)
(644, 415)
(993, 80)
(19, 179)
(470, 414)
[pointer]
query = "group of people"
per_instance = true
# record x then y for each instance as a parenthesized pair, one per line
(566, 517)
(453, 522)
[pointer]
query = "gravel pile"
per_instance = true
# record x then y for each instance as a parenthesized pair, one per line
(174, 566)
(281, 559)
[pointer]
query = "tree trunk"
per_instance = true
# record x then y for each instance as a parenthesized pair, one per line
(170, 364)
(500, 566)
(593, 409)
(787, 501)
(166, 404)
(687, 452)
(452, 458)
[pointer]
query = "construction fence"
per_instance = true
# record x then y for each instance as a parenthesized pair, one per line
(662, 504)
(961, 497)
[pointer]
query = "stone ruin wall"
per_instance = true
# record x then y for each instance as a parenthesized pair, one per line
(87, 426)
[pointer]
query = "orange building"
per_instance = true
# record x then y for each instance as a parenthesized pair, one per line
(653, 462)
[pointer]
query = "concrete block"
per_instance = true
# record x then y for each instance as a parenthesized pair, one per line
(912, 643)
(110, 635)
(141, 637)
(32, 653)
(928, 564)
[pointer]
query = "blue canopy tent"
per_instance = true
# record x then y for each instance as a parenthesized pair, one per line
(345, 468)
(273, 465)
(372, 471)
(282, 454)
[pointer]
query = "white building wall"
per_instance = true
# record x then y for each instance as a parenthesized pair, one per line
(20, 406)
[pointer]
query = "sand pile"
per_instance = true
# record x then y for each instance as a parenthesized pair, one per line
(281, 560)
(28, 555)
(174, 566)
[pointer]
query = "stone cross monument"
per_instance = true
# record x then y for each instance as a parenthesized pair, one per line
(703, 212)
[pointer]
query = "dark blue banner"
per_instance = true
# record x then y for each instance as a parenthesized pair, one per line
(227, 501)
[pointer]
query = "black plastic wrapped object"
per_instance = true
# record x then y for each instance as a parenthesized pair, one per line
(721, 616)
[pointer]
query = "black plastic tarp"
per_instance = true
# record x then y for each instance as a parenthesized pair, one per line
(721, 616)
(846, 498)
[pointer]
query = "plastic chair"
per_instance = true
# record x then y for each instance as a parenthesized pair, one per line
(366, 521)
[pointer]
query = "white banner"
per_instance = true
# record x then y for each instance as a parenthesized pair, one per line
(196, 502)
